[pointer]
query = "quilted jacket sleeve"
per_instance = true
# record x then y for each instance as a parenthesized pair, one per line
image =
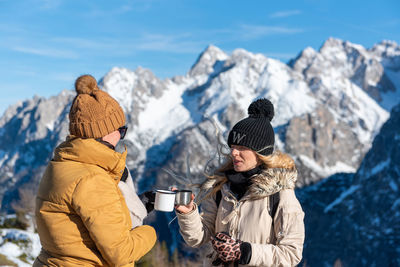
(99, 204)
(195, 228)
(289, 233)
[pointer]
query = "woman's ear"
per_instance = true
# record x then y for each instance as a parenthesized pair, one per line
(259, 161)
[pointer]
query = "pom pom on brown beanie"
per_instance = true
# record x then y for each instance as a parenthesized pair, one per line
(94, 113)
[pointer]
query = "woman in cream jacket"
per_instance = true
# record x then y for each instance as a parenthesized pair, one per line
(251, 215)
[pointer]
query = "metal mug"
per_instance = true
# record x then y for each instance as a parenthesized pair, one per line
(165, 200)
(183, 197)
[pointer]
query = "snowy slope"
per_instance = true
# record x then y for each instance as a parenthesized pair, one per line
(19, 246)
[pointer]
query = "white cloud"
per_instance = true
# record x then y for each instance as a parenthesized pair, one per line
(11, 28)
(284, 14)
(365, 28)
(86, 43)
(65, 77)
(133, 5)
(258, 31)
(178, 43)
(169, 43)
(25, 73)
(48, 52)
(181, 43)
(109, 13)
(142, 5)
(389, 23)
(49, 4)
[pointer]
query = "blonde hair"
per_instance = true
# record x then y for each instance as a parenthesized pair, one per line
(277, 159)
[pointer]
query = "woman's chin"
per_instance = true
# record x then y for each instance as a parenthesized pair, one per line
(238, 168)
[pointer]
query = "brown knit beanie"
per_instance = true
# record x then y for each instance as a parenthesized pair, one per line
(94, 113)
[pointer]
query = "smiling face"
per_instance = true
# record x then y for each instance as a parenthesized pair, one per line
(243, 158)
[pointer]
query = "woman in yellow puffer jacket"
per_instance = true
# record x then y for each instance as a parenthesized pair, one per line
(81, 215)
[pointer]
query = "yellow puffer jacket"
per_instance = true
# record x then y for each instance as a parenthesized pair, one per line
(81, 215)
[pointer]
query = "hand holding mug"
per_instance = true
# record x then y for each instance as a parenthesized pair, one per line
(184, 208)
(165, 200)
(148, 198)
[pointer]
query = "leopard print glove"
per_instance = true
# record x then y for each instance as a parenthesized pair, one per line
(227, 248)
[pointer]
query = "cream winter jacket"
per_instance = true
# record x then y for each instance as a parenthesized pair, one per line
(274, 242)
(137, 210)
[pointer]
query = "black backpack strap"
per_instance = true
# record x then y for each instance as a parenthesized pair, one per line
(218, 197)
(124, 175)
(274, 202)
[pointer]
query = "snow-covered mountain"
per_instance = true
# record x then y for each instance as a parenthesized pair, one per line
(329, 105)
(355, 218)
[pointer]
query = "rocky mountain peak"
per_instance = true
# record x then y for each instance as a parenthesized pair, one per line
(303, 60)
(255, 62)
(389, 54)
(344, 53)
(204, 64)
(386, 48)
(241, 54)
(126, 85)
(332, 42)
(376, 71)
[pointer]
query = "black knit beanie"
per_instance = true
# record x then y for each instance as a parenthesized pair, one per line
(255, 131)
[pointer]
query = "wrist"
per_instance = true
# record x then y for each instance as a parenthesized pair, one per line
(186, 209)
(245, 251)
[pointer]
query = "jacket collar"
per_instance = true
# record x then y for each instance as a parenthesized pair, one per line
(90, 151)
(270, 181)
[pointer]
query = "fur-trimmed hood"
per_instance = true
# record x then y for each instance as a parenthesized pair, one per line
(272, 180)
(268, 182)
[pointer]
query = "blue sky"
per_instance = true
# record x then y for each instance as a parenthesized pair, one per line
(46, 44)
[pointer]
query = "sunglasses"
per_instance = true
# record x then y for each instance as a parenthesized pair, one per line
(122, 131)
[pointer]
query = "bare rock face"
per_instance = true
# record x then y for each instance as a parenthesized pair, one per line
(232, 114)
(29, 132)
(208, 61)
(317, 137)
(368, 69)
(132, 89)
(187, 157)
(359, 210)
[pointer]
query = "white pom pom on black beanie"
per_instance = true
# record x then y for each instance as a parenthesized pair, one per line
(255, 131)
